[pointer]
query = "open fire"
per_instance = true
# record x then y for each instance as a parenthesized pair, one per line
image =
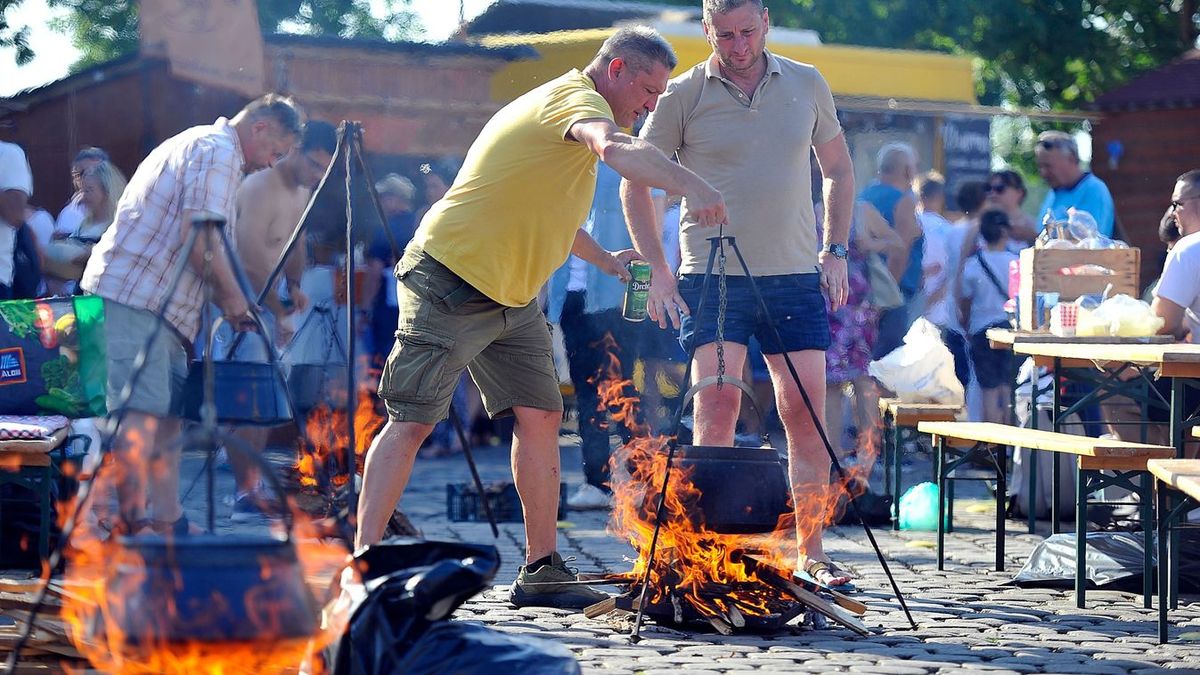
(199, 604)
(700, 575)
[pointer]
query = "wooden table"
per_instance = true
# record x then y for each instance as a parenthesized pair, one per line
(1105, 367)
(1178, 481)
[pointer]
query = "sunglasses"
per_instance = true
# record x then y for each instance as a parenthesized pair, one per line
(997, 188)
(1175, 204)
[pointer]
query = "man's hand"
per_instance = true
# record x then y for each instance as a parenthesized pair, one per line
(617, 264)
(705, 206)
(299, 299)
(834, 279)
(285, 330)
(236, 312)
(664, 302)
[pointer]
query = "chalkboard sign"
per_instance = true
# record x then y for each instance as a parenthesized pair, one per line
(967, 148)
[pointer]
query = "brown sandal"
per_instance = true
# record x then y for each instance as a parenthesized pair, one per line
(825, 572)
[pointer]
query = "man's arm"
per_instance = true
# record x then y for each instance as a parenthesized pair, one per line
(1172, 316)
(838, 185)
(643, 166)
(905, 218)
(12, 206)
(642, 163)
(226, 292)
(610, 262)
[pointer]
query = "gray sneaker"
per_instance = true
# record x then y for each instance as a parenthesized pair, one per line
(549, 587)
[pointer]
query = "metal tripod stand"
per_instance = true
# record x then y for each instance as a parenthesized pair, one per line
(717, 255)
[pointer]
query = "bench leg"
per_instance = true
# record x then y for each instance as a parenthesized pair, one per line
(941, 519)
(1081, 493)
(1146, 495)
(886, 439)
(897, 459)
(1164, 527)
(1055, 485)
(999, 456)
(949, 503)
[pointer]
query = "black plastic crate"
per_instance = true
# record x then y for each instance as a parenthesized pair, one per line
(464, 505)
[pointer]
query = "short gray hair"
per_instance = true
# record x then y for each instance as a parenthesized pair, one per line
(726, 6)
(1058, 140)
(638, 46)
(892, 156)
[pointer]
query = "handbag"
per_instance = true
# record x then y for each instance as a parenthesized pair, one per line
(885, 292)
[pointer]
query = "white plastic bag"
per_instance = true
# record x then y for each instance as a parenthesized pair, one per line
(1121, 316)
(921, 370)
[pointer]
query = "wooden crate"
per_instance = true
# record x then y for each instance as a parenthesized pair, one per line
(1040, 273)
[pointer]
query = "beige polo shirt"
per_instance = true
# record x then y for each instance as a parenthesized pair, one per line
(756, 151)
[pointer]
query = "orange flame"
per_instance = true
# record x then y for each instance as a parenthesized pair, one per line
(106, 584)
(321, 454)
(691, 558)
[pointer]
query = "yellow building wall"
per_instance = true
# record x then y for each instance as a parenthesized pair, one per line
(851, 71)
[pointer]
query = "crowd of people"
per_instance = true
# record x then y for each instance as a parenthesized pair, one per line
(470, 267)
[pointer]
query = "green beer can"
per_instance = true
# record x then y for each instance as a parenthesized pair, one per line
(637, 291)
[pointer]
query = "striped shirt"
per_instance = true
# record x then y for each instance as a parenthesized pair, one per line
(136, 259)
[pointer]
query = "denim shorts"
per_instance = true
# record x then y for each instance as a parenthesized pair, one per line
(796, 303)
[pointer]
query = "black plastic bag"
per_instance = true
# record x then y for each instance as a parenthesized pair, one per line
(459, 648)
(410, 583)
(402, 625)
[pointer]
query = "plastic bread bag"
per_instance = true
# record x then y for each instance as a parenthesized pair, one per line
(921, 370)
(1119, 316)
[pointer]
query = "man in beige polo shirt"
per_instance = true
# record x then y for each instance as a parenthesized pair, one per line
(746, 120)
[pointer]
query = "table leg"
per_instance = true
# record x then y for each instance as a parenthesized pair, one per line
(1056, 471)
(1081, 482)
(939, 463)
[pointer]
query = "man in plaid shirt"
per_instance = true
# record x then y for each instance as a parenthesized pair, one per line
(195, 172)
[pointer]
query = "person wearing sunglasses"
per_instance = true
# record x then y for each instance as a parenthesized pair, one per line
(1006, 192)
(1057, 157)
(1177, 298)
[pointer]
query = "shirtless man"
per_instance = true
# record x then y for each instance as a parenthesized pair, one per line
(269, 205)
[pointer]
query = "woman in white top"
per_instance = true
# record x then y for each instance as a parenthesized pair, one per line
(101, 186)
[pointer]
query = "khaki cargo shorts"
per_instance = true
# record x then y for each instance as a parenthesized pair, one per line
(445, 326)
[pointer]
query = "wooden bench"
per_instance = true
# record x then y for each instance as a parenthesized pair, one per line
(897, 416)
(1177, 483)
(1124, 460)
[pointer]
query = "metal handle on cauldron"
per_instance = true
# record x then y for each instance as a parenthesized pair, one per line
(208, 412)
(711, 380)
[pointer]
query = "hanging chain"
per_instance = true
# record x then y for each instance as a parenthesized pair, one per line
(722, 301)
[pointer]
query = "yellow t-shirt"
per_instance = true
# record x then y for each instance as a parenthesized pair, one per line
(524, 190)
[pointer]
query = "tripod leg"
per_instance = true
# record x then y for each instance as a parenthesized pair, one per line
(818, 425)
(675, 422)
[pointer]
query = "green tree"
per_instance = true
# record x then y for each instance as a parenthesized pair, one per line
(1050, 54)
(16, 37)
(106, 29)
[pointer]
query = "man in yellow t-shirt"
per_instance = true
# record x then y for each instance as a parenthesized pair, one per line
(468, 282)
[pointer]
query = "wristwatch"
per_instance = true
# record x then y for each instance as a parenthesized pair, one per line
(838, 250)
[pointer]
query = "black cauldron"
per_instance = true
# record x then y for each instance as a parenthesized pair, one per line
(210, 588)
(742, 490)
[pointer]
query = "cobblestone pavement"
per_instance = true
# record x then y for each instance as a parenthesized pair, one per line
(969, 618)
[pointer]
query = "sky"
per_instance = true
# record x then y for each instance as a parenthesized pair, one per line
(55, 53)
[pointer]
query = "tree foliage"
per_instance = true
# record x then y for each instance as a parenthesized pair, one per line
(16, 37)
(106, 29)
(1041, 53)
